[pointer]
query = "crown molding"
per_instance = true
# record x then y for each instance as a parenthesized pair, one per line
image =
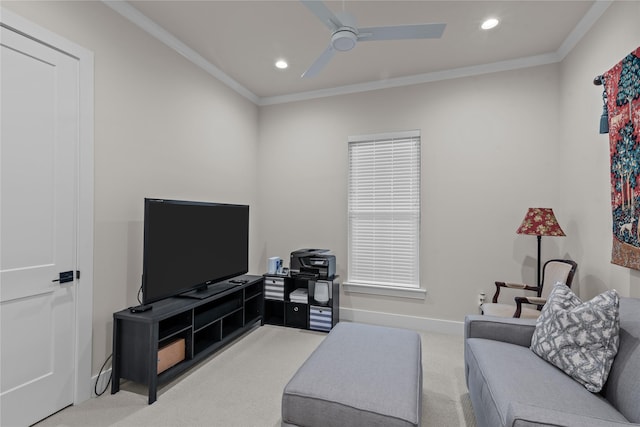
(593, 14)
(139, 19)
(475, 70)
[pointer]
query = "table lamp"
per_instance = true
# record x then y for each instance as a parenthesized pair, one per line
(540, 222)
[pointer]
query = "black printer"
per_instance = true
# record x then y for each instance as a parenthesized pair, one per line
(318, 263)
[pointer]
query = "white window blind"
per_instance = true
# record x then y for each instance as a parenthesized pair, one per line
(384, 210)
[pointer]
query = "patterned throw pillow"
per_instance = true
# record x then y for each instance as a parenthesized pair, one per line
(579, 338)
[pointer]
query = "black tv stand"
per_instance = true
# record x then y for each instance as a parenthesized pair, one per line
(199, 326)
(208, 291)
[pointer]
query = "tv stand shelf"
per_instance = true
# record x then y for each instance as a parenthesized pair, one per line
(205, 325)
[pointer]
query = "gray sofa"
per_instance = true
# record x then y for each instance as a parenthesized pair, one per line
(509, 385)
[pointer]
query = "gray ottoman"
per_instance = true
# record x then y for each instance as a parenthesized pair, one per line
(360, 375)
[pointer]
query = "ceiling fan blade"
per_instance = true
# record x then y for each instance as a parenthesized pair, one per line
(320, 62)
(323, 14)
(402, 32)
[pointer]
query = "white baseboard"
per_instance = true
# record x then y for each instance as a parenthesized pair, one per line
(401, 321)
(102, 383)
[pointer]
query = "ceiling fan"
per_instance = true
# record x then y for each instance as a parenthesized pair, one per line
(345, 34)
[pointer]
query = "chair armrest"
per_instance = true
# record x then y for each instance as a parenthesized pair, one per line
(515, 285)
(539, 301)
(533, 300)
(511, 286)
(506, 329)
(523, 415)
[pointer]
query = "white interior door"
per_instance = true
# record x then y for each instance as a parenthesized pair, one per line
(38, 205)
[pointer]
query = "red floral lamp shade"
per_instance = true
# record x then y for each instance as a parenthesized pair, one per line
(540, 222)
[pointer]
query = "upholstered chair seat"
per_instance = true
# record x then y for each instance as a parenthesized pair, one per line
(554, 271)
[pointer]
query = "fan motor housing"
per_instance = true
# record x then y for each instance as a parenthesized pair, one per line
(344, 39)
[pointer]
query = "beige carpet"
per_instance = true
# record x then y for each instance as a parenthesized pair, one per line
(242, 386)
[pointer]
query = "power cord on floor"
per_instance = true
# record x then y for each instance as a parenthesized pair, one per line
(95, 387)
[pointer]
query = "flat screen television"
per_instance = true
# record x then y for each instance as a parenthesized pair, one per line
(191, 245)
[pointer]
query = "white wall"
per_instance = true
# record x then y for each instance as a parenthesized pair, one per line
(489, 151)
(493, 145)
(585, 153)
(163, 128)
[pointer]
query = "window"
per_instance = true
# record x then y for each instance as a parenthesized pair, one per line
(384, 213)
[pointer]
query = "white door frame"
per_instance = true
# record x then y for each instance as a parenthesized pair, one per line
(84, 300)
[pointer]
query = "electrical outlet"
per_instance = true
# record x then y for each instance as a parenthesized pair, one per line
(481, 298)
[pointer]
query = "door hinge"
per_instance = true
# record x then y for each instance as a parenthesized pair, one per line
(77, 274)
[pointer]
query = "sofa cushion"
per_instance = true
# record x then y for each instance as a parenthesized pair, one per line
(580, 338)
(501, 374)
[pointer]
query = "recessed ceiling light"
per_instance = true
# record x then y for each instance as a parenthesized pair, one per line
(489, 24)
(282, 64)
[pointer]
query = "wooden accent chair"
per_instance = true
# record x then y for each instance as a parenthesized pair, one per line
(555, 270)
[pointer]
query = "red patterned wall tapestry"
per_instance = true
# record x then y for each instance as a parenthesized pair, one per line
(622, 86)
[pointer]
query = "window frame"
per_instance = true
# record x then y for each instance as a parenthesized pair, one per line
(358, 284)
